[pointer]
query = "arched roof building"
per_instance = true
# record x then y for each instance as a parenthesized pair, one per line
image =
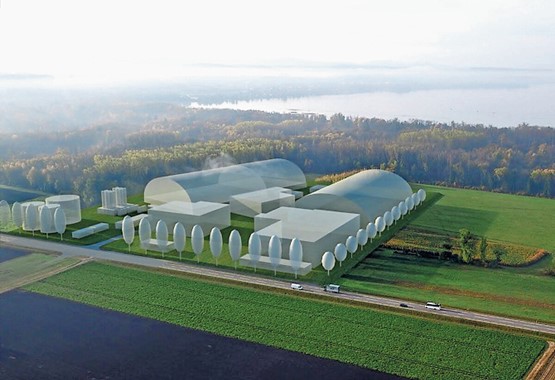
(217, 185)
(369, 193)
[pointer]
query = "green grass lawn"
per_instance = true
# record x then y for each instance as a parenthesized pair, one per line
(515, 219)
(92, 239)
(89, 217)
(380, 340)
(515, 292)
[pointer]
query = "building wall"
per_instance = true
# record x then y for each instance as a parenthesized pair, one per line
(71, 204)
(253, 203)
(220, 218)
(318, 233)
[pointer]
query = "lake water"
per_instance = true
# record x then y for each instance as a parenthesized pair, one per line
(505, 107)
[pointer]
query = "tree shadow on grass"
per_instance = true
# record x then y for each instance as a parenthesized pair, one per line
(371, 279)
(452, 219)
(391, 268)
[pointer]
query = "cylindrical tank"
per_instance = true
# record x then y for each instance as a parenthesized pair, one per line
(31, 225)
(71, 204)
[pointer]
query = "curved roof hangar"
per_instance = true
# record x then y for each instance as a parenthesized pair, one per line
(369, 193)
(217, 185)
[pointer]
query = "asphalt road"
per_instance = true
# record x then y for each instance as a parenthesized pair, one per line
(71, 250)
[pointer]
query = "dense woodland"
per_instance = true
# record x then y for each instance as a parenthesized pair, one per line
(174, 139)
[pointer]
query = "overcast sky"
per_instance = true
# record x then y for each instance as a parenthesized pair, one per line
(157, 38)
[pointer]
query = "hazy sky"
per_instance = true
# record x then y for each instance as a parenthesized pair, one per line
(149, 39)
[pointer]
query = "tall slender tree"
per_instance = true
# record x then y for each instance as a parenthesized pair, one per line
(483, 250)
(465, 241)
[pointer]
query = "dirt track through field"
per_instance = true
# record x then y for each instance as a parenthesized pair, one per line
(545, 367)
(41, 275)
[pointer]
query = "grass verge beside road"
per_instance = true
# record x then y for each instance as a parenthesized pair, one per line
(374, 339)
(513, 292)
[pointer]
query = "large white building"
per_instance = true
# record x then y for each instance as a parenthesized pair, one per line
(218, 185)
(369, 193)
(318, 230)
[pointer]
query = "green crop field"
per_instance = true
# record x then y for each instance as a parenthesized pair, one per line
(509, 218)
(515, 292)
(380, 340)
(89, 217)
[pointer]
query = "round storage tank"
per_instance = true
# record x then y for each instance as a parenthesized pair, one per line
(71, 204)
(35, 224)
(51, 228)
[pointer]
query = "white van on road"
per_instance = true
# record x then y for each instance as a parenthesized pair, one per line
(296, 286)
(332, 288)
(433, 306)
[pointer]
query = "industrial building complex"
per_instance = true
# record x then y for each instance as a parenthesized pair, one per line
(268, 192)
(292, 232)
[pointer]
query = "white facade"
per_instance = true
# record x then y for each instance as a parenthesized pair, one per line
(206, 214)
(114, 202)
(87, 231)
(108, 199)
(135, 219)
(317, 230)
(315, 188)
(218, 185)
(71, 204)
(31, 225)
(51, 228)
(5, 214)
(121, 196)
(261, 201)
(369, 193)
(284, 266)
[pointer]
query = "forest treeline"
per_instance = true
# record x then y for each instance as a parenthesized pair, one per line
(514, 160)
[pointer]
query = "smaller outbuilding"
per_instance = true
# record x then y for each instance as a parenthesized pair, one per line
(261, 201)
(114, 202)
